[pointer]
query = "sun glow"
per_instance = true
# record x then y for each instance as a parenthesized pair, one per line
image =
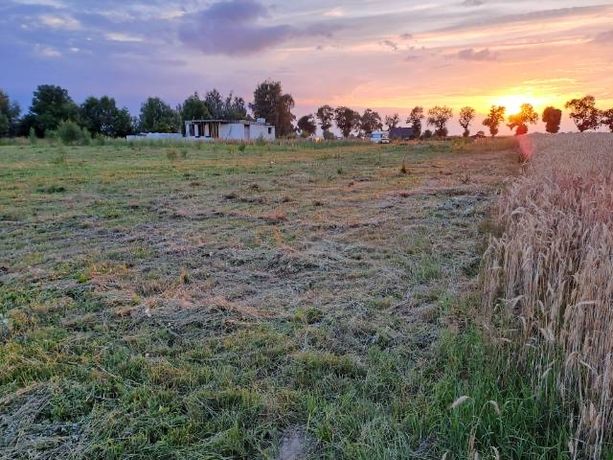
(512, 103)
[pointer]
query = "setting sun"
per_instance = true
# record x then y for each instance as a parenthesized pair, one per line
(512, 103)
(513, 100)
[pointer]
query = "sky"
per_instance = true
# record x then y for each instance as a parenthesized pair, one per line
(389, 56)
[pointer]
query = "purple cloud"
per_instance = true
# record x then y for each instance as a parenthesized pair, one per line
(231, 28)
(470, 54)
(604, 37)
(390, 44)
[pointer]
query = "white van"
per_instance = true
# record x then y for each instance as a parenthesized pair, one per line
(380, 137)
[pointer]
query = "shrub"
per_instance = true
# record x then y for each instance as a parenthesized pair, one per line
(441, 132)
(32, 136)
(68, 132)
(71, 133)
(50, 134)
(86, 137)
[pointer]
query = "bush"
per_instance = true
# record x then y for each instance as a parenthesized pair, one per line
(71, 133)
(86, 137)
(50, 134)
(68, 132)
(441, 132)
(32, 136)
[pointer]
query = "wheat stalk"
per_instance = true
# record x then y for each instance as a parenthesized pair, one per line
(548, 280)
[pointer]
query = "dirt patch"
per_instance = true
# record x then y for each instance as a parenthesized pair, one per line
(295, 445)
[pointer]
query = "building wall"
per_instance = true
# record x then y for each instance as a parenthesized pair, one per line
(155, 136)
(232, 132)
(238, 132)
(263, 131)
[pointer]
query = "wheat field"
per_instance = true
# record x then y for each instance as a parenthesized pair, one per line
(548, 279)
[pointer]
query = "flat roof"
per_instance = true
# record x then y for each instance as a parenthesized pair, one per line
(242, 122)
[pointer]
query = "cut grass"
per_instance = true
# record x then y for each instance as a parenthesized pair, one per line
(204, 306)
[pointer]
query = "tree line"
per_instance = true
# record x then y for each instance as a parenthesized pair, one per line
(52, 108)
(583, 112)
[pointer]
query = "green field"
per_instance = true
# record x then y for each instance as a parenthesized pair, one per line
(226, 301)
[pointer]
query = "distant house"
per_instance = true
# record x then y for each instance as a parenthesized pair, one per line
(229, 130)
(402, 133)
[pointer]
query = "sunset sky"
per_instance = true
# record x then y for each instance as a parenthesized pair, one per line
(388, 55)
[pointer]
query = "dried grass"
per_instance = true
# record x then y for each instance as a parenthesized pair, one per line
(548, 280)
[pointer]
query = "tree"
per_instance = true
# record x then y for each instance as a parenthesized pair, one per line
(467, 115)
(370, 121)
(494, 118)
(392, 121)
(9, 115)
(438, 117)
(347, 120)
(415, 117)
(4, 125)
(217, 107)
(215, 104)
(552, 118)
(122, 123)
(519, 121)
(307, 125)
(194, 108)
(158, 117)
(234, 108)
(50, 106)
(102, 117)
(325, 115)
(584, 113)
(270, 103)
(607, 119)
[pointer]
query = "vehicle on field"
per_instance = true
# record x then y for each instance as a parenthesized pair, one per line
(380, 137)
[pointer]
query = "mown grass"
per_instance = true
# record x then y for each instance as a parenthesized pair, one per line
(218, 302)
